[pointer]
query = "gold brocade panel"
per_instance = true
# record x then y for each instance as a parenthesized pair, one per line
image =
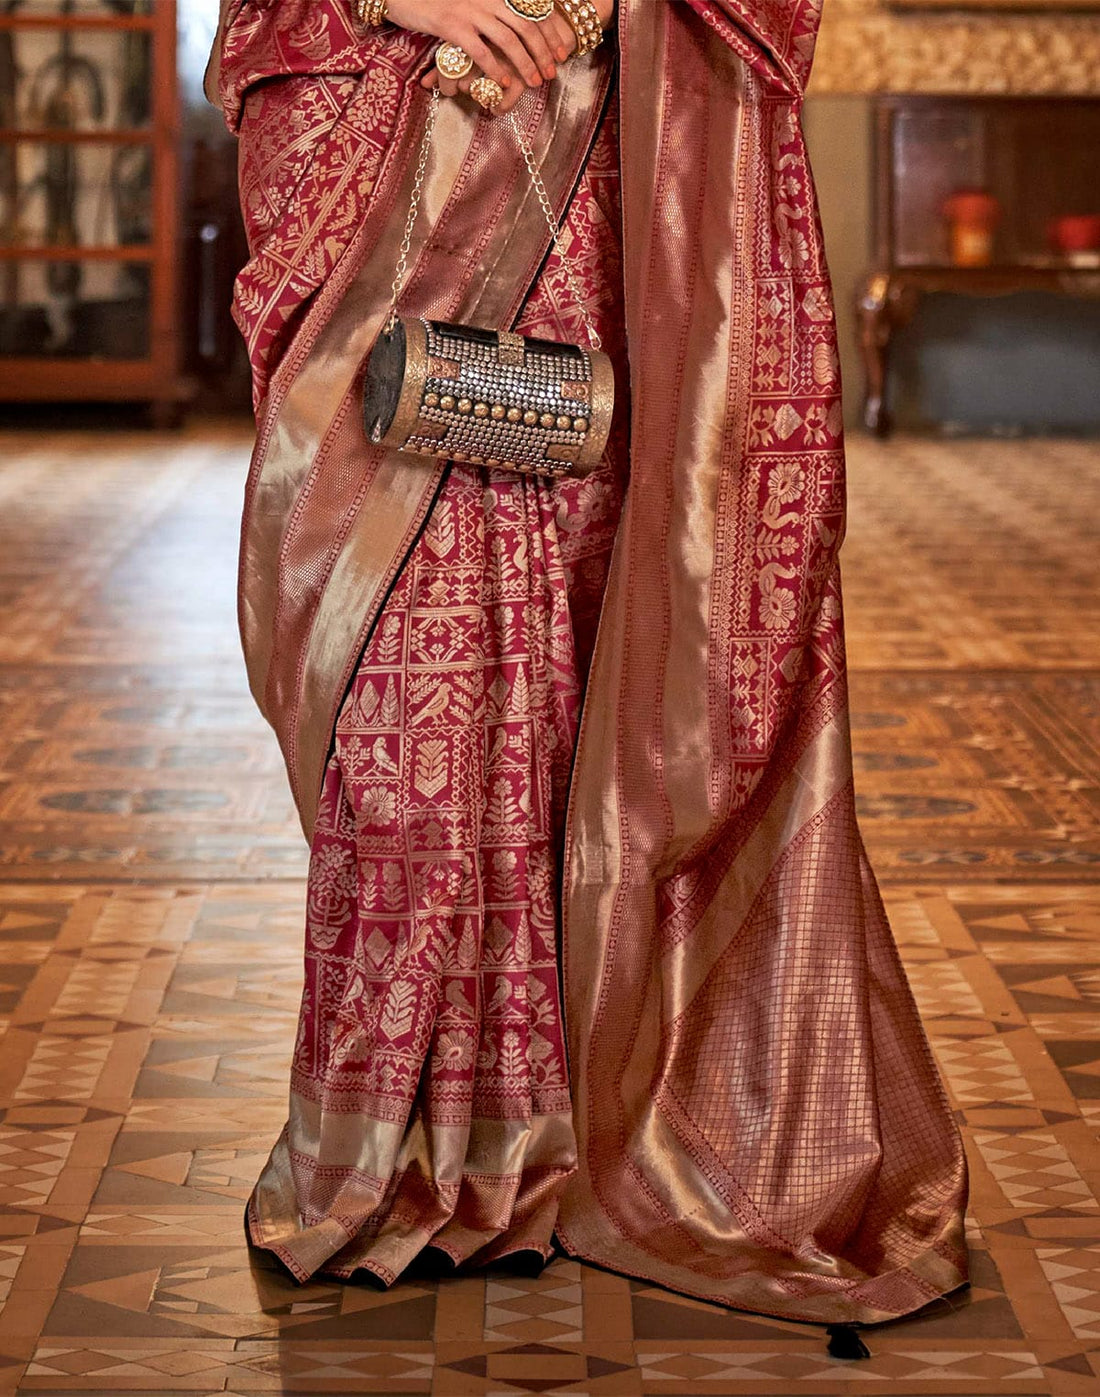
(871, 46)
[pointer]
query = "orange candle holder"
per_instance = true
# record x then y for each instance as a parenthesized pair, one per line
(972, 217)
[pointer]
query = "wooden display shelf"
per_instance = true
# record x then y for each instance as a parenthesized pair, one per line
(51, 380)
(60, 21)
(49, 135)
(28, 252)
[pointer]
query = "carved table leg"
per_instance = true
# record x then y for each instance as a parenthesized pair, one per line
(873, 315)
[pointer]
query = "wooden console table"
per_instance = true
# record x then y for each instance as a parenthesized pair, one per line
(1040, 157)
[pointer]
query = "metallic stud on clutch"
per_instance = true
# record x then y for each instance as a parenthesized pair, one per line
(462, 394)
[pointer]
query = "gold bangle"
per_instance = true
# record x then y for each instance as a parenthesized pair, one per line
(585, 20)
(372, 12)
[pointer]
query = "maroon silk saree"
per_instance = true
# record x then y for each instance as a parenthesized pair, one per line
(617, 972)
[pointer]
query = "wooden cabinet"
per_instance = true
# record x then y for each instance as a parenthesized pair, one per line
(1034, 161)
(88, 202)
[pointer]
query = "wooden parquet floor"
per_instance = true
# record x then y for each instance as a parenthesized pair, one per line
(150, 920)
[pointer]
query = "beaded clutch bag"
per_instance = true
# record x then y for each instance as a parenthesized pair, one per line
(489, 397)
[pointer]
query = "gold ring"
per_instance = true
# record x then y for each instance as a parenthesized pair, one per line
(534, 10)
(487, 93)
(453, 62)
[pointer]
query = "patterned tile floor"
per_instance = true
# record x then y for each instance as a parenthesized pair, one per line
(150, 914)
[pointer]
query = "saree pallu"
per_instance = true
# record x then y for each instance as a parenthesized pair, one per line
(617, 972)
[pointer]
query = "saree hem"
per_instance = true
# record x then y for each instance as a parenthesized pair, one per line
(461, 1264)
(820, 1312)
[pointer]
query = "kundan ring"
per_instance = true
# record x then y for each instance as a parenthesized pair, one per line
(535, 10)
(487, 93)
(453, 62)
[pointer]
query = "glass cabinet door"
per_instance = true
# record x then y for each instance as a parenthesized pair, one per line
(1037, 159)
(77, 178)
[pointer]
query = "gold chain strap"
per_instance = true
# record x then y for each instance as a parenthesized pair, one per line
(540, 193)
(414, 209)
(555, 233)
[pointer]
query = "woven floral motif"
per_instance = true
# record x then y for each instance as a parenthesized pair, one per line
(791, 27)
(321, 112)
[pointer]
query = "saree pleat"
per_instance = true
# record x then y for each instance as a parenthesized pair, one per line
(593, 945)
(432, 985)
(430, 1099)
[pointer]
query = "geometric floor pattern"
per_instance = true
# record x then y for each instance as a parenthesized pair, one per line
(150, 922)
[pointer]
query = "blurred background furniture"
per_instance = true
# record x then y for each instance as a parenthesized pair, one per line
(89, 206)
(975, 196)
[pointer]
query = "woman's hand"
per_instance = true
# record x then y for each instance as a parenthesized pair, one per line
(510, 50)
(560, 40)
